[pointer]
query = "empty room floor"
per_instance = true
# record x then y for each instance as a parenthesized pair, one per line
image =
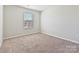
(38, 43)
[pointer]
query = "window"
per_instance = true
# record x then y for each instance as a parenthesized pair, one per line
(28, 20)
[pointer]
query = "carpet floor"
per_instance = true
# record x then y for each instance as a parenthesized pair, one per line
(38, 43)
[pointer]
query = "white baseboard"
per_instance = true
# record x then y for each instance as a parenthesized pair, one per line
(13, 36)
(43, 33)
(18, 36)
(62, 38)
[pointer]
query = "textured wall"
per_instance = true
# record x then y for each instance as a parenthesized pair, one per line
(61, 21)
(13, 21)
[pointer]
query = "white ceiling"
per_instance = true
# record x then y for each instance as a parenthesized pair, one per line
(36, 7)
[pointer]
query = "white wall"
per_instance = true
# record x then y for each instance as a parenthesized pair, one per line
(1, 24)
(13, 21)
(61, 21)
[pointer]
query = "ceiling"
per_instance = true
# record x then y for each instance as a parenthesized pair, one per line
(36, 7)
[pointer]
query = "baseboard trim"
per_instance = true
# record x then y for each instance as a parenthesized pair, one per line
(62, 38)
(18, 36)
(43, 33)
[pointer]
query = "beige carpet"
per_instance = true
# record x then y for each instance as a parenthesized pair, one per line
(38, 43)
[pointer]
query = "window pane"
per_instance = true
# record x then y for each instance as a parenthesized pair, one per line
(28, 16)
